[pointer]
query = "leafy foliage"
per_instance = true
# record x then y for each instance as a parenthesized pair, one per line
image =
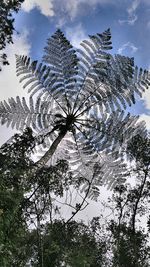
(27, 200)
(129, 249)
(68, 245)
(13, 185)
(131, 209)
(139, 150)
(6, 24)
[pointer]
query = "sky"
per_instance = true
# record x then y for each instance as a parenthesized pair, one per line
(128, 20)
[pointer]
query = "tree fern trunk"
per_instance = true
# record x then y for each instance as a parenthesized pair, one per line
(42, 162)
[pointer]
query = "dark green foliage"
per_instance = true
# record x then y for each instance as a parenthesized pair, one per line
(7, 24)
(131, 203)
(55, 242)
(139, 149)
(73, 244)
(28, 201)
(13, 186)
(129, 249)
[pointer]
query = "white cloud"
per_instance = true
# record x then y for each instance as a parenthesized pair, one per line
(73, 6)
(61, 22)
(129, 45)
(132, 16)
(76, 35)
(130, 20)
(63, 10)
(146, 98)
(9, 83)
(133, 7)
(146, 118)
(45, 6)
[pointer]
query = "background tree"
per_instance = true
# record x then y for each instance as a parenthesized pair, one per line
(72, 244)
(31, 235)
(129, 248)
(79, 102)
(13, 187)
(131, 208)
(29, 201)
(7, 7)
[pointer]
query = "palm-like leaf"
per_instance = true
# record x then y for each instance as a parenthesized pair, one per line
(78, 98)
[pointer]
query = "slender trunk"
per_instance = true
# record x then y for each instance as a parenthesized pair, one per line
(135, 261)
(138, 200)
(42, 162)
(40, 245)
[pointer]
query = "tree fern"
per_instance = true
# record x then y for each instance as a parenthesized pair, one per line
(79, 98)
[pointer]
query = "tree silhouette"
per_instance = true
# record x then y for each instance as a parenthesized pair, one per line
(7, 25)
(78, 99)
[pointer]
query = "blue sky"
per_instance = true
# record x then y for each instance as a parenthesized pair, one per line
(129, 21)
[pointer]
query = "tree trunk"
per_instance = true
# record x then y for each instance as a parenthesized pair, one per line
(47, 156)
(138, 200)
(135, 261)
(42, 162)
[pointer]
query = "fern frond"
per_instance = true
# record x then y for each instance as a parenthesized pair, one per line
(20, 115)
(123, 80)
(62, 61)
(115, 79)
(92, 52)
(40, 79)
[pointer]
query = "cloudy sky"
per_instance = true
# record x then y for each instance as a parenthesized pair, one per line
(129, 21)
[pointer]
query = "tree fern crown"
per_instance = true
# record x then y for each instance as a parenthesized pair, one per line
(82, 93)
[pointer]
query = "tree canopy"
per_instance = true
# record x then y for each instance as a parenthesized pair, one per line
(7, 7)
(31, 235)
